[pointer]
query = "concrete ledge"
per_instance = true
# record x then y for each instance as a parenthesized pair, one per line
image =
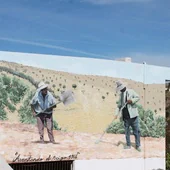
(3, 164)
(121, 164)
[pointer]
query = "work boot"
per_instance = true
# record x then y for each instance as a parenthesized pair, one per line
(127, 147)
(42, 141)
(138, 148)
(52, 141)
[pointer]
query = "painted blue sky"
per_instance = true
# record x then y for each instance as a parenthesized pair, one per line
(106, 29)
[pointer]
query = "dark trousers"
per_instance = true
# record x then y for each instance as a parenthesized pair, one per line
(134, 123)
(48, 120)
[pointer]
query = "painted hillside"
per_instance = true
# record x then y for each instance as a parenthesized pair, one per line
(95, 96)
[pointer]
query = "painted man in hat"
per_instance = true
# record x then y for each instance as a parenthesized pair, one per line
(129, 99)
(42, 105)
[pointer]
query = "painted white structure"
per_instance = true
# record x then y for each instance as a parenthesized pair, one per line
(126, 59)
(89, 66)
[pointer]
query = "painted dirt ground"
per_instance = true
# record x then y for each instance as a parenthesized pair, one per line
(22, 138)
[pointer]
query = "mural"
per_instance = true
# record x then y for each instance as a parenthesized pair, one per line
(90, 125)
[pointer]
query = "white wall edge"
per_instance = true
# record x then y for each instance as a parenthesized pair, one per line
(121, 164)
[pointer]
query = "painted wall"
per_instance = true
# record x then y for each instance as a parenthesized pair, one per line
(79, 126)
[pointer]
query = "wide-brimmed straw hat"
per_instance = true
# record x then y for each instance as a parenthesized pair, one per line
(120, 85)
(41, 86)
